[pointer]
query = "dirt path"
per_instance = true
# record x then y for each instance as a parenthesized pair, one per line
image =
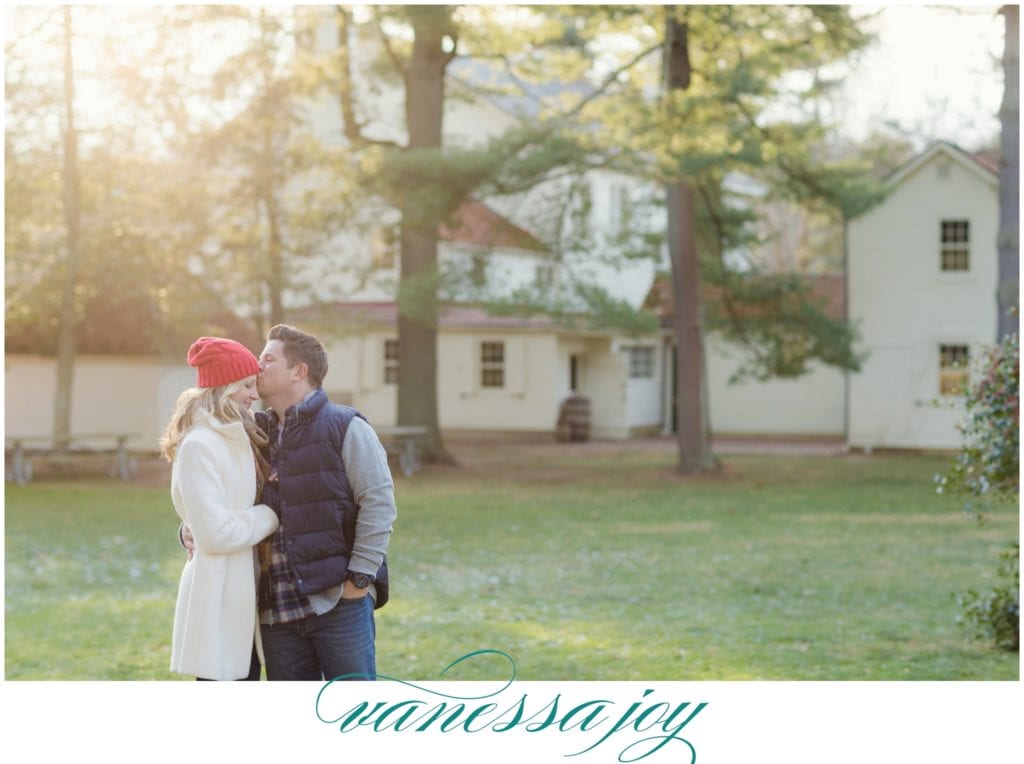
(484, 452)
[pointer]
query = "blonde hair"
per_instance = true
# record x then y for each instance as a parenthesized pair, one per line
(196, 404)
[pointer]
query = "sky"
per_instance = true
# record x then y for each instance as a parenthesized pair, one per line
(936, 70)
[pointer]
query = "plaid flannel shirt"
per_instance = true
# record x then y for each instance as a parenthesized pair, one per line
(280, 598)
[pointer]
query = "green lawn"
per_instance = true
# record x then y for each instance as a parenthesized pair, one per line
(590, 562)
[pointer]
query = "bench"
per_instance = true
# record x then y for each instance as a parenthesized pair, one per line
(22, 448)
(402, 442)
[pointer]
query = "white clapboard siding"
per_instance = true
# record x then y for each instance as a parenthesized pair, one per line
(110, 395)
(812, 404)
(905, 306)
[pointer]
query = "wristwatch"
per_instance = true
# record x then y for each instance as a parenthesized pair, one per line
(359, 580)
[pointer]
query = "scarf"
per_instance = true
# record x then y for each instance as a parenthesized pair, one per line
(259, 441)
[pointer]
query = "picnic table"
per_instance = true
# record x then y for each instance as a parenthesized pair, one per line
(23, 447)
(402, 441)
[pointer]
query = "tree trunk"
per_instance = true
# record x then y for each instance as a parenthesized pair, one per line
(68, 309)
(418, 317)
(275, 259)
(692, 431)
(1009, 179)
(271, 102)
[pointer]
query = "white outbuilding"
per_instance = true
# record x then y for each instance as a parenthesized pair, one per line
(922, 274)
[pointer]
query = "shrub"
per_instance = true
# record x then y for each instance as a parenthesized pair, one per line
(987, 468)
(995, 615)
(989, 462)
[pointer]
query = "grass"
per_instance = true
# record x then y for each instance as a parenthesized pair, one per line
(583, 562)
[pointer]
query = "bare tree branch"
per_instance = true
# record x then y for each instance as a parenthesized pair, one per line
(27, 37)
(353, 127)
(454, 51)
(611, 78)
(395, 59)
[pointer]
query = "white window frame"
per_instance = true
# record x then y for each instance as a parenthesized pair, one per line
(544, 275)
(384, 248)
(955, 245)
(954, 359)
(492, 364)
(618, 204)
(641, 361)
(391, 362)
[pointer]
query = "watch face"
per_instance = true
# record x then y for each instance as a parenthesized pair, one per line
(361, 580)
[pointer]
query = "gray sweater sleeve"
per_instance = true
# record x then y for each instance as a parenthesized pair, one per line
(366, 464)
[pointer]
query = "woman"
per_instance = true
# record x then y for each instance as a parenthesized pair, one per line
(217, 474)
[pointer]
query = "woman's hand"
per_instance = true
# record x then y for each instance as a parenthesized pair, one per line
(187, 540)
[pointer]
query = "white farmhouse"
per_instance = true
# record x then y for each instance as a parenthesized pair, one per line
(498, 373)
(920, 286)
(922, 276)
(495, 373)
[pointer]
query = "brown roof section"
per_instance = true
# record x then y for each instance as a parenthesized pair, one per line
(227, 323)
(829, 288)
(476, 223)
(989, 159)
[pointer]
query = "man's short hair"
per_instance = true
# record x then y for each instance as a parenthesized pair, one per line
(301, 347)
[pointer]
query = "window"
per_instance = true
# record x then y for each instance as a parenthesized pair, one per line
(544, 275)
(619, 211)
(641, 361)
(952, 369)
(384, 247)
(390, 362)
(956, 245)
(492, 364)
(478, 270)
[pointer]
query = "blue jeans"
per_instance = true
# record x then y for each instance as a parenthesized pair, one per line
(322, 647)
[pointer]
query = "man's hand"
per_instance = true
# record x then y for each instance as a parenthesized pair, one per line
(349, 591)
(187, 540)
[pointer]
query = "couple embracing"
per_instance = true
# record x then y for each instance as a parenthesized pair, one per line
(286, 517)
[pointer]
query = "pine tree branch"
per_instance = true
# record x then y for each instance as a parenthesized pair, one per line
(791, 170)
(726, 294)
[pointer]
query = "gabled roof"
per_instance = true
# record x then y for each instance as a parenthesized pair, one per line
(988, 158)
(476, 223)
(979, 164)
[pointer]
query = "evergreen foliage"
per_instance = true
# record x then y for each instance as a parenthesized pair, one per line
(781, 322)
(261, 205)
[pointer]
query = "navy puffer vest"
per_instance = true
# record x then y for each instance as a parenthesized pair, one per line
(313, 497)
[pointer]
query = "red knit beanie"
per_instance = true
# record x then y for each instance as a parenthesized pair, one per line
(220, 361)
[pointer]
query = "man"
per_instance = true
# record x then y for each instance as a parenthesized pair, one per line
(323, 572)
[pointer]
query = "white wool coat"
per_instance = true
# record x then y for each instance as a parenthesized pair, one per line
(213, 486)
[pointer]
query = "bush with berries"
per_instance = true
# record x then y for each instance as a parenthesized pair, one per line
(987, 469)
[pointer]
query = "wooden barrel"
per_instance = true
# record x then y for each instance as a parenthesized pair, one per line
(574, 419)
